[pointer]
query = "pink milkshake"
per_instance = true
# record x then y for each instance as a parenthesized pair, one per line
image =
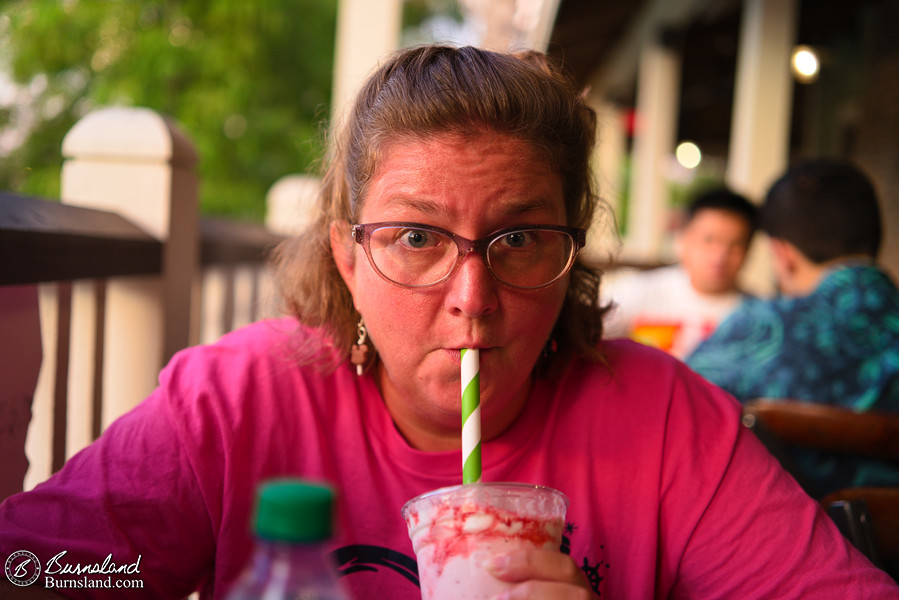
(455, 530)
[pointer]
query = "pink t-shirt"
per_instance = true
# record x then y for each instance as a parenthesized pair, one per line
(670, 496)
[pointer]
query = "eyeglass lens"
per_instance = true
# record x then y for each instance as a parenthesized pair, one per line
(527, 258)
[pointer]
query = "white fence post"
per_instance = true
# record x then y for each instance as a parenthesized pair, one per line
(290, 206)
(291, 203)
(134, 162)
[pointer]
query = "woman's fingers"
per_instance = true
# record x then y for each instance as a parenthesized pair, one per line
(540, 574)
(545, 590)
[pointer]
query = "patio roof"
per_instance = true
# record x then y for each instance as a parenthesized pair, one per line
(590, 37)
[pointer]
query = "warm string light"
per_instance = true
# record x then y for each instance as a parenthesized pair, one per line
(688, 155)
(805, 64)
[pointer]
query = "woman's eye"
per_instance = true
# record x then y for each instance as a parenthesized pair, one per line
(417, 238)
(518, 239)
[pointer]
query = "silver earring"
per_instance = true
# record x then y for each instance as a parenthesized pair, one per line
(359, 351)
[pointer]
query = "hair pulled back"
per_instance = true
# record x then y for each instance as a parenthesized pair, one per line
(423, 91)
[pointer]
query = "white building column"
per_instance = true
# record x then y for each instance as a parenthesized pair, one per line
(608, 172)
(367, 30)
(763, 98)
(658, 94)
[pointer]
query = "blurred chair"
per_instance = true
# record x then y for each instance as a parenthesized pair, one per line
(868, 517)
(823, 427)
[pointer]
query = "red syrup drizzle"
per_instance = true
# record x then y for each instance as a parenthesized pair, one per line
(449, 538)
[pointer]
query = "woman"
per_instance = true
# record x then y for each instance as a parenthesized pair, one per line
(452, 215)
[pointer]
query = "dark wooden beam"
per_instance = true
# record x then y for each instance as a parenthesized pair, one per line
(42, 240)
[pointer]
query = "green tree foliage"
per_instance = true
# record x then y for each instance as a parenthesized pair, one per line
(248, 80)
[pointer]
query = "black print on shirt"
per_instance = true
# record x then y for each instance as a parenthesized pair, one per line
(361, 557)
(591, 571)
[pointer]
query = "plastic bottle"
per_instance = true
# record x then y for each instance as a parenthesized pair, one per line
(293, 522)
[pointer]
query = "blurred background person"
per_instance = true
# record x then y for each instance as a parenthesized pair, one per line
(676, 307)
(833, 335)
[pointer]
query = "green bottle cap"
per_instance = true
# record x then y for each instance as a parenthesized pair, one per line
(291, 510)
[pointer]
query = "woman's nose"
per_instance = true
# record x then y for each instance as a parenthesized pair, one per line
(472, 289)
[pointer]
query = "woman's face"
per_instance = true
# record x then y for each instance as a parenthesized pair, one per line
(472, 186)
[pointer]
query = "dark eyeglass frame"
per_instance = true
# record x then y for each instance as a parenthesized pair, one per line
(362, 235)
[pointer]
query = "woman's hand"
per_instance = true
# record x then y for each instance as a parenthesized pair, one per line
(540, 574)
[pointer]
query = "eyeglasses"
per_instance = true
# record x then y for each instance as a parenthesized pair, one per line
(524, 257)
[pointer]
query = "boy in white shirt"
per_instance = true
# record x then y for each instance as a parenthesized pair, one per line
(676, 307)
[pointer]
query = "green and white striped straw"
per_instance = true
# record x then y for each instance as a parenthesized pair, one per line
(471, 417)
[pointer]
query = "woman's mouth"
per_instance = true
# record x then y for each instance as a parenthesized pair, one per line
(456, 353)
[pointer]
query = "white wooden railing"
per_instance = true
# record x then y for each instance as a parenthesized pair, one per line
(99, 290)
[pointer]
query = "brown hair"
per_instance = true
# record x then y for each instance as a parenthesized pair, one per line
(433, 89)
(827, 208)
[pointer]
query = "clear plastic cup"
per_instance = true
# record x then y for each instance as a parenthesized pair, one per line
(455, 530)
